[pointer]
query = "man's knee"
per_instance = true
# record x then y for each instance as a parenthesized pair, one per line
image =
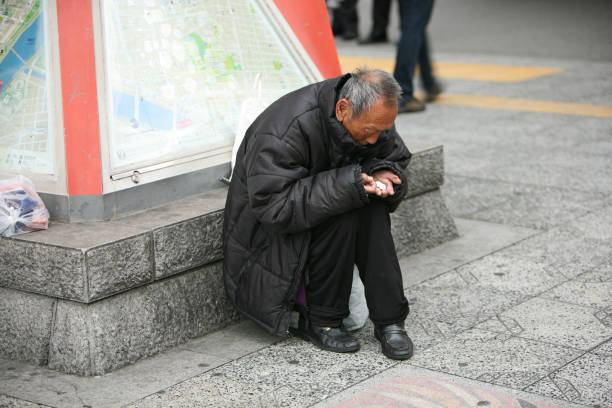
(346, 220)
(377, 210)
(339, 225)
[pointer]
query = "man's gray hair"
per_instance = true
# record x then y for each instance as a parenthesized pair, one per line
(366, 86)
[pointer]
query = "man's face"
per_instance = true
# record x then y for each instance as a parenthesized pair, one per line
(367, 127)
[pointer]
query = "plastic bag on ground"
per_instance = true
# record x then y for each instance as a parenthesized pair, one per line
(21, 209)
(357, 305)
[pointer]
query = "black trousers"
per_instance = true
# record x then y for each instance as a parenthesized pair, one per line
(413, 46)
(363, 238)
(380, 17)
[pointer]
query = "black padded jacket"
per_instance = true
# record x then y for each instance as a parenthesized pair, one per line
(296, 167)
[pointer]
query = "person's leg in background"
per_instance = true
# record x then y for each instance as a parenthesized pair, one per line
(415, 17)
(380, 21)
(345, 19)
(431, 86)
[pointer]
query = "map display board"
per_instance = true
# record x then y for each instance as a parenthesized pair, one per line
(180, 71)
(26, 143)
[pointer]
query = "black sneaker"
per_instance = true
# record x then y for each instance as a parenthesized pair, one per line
(336, 339)
(394, 341)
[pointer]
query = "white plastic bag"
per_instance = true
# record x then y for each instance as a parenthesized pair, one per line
(250, 109)
(21, 209)
(357, 305)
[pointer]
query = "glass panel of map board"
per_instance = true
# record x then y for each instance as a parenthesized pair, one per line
(179, 71)
(26, 144)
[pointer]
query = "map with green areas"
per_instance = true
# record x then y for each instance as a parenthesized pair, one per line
(25, 141)
(180, 70)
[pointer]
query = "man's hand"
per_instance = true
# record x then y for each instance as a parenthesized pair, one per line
(388, 178)
(370, 185)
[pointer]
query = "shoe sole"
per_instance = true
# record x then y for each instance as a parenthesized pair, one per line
(307, 338)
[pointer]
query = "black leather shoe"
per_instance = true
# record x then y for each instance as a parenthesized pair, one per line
(394, 341)
(336, 339)
(373, 40)
(349, 35)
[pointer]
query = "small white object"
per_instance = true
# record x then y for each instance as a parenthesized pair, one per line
(381, 186)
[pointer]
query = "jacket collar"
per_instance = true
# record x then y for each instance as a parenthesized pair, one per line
(343, 149)
(342, 144)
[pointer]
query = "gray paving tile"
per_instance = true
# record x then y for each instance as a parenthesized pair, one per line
(586, 174)
(41, 385)
(567, 250)
(541, 207)
(476, 239)
(426, 333)
(553, 322)
(458, 303)
(232, 342)
(467, 195)
(533, 206)
(586, 380)
(596, 225)
(605, 349)
(10, 402)
(593, 289)
(294, 372)
(495, 358)
(525, 278)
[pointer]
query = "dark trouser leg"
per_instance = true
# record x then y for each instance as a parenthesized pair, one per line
(380, 17)
(427, 78)
(330, 269)
(348, 15)
(379, 268)
(337, 27)
(415, 16)
(361, 237)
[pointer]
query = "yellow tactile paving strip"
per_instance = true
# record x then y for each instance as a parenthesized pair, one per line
(492, 73)
(458, 70)
(525, 105)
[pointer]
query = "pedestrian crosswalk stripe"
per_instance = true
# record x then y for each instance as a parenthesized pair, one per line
(458, 70)
(525, 105)
(493, 73)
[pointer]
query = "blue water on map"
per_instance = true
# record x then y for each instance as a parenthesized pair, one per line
(150, 114)
(124, 105)
(155, 116)
(9, 68)
(35, 73)
(26, 46)
(31, 40)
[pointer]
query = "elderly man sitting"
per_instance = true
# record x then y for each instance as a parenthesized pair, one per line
(316, 177)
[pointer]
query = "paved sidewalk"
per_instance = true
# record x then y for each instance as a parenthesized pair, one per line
(517, 312)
